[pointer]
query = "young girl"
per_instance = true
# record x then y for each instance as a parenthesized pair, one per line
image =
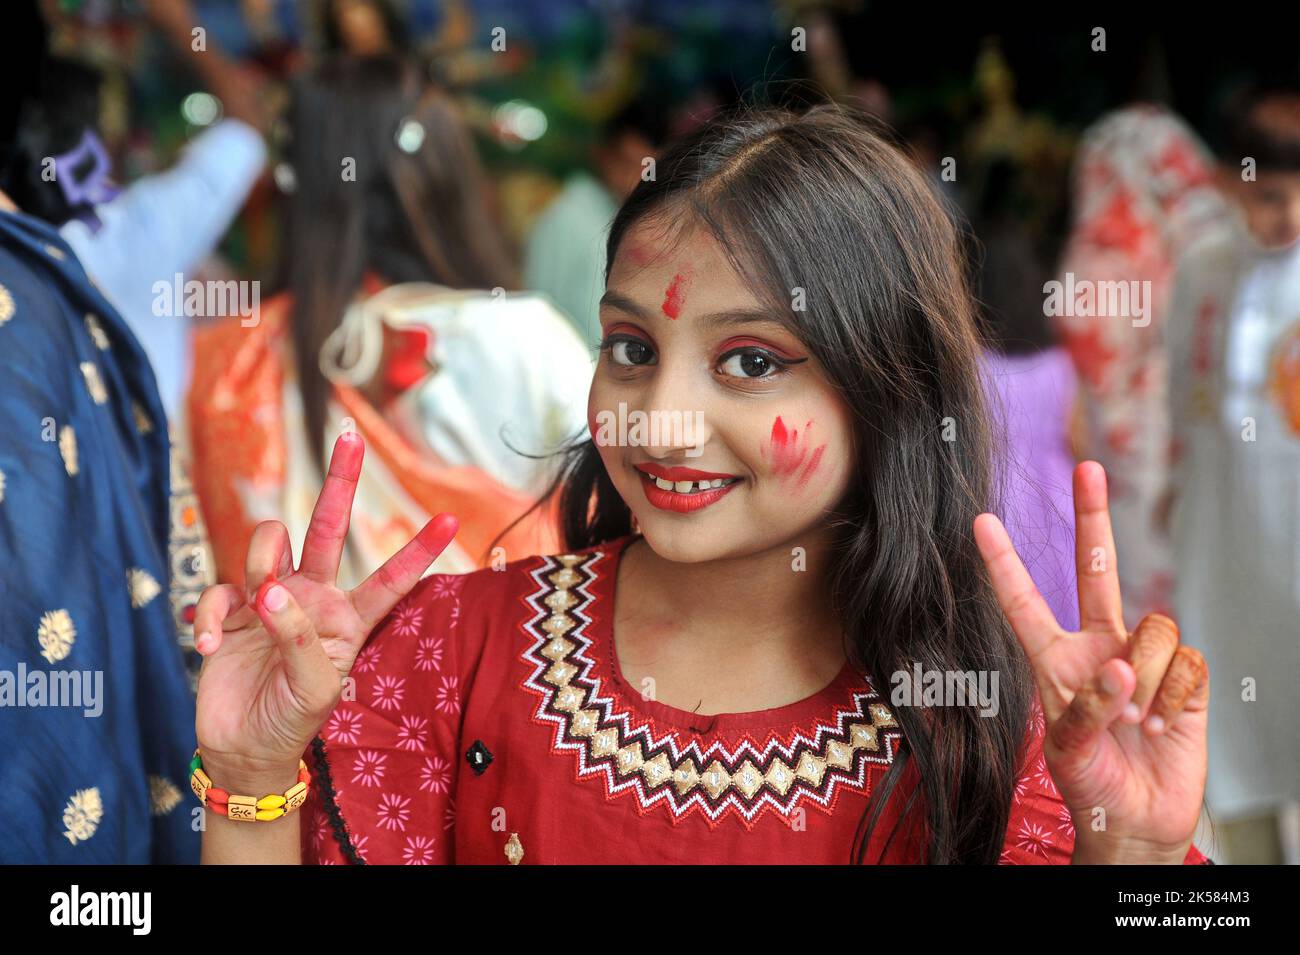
(736, 659)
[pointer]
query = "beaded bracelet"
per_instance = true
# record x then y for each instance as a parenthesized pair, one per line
(247, 808)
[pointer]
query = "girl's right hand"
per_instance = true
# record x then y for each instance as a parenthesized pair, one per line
(274, 661)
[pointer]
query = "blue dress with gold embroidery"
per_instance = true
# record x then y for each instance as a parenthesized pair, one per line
(96, 711)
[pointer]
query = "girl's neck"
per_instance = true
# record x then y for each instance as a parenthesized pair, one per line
(731, 635)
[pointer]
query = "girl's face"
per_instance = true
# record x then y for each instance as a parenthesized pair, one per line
(716, 425)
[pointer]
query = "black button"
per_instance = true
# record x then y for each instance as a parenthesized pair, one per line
(478, 756)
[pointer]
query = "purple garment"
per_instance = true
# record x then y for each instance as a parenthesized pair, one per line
(1032, 398)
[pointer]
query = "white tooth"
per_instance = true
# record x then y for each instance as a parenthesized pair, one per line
(681, 487)
(718, 482)
(664, 485)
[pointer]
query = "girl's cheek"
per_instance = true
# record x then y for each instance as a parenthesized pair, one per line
(794, 454)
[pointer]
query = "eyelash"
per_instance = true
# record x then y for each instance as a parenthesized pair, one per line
(780, 365)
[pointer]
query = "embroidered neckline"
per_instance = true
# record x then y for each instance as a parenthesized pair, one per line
(745, 771)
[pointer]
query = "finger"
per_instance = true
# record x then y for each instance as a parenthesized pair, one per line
(1076, 734)
(1186, 686)
(270, 556)
(1030, 617)
(322, 548)
(1150, 650)
(214, 606)
(312, 676)
(378, 593)
(1100, 607)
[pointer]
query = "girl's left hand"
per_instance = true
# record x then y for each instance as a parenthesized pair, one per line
(1126, 713)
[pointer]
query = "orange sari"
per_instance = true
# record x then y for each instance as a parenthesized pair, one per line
(252, 463)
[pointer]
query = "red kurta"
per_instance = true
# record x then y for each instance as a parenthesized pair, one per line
(490, 724)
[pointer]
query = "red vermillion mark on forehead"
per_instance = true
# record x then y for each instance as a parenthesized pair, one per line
(790, 452)
(675, 294)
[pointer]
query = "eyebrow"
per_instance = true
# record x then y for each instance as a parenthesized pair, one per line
(739, 316)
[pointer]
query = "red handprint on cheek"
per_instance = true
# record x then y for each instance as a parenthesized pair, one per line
(790, 453)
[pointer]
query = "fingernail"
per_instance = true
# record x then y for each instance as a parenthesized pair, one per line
(1110, 683)
(203, 641)
(1155, 724)
(1132, 712)
(275, 599)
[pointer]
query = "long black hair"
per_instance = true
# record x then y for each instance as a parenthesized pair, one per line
(418, 216)
(823, 201)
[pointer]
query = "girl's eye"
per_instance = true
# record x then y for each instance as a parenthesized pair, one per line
(751, 363)
(627, 351)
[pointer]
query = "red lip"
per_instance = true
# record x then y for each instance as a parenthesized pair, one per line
(681, 474)
(683, 503)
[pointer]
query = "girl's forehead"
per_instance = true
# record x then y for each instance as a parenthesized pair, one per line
(652, 257)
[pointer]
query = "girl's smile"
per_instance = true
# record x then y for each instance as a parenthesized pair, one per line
(683, 490)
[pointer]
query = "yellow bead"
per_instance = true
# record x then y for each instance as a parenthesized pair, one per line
(266, 815)
(271, 802)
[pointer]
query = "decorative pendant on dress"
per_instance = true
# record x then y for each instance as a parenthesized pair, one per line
(514, 851)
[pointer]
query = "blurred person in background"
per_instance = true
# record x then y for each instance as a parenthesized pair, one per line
(1143, 192)
(565, 252)
(1032, 390)
(161, 225)
(94, 774)
(394, 322)
(1234, 359)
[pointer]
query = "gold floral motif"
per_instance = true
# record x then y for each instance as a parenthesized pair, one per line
(561, 673)
(564, 578)
(715, 779)
(584, 722)
(163, 796)
(604, 742)
(142, 586)
(557, 649)
(6, 305)
(630, 758)
(514, 849)
(657, 770)
(864, 736)
(97, 332)
(812, 768)
(779, 776)
(685, 777)
(56, 635)
(68, 449)
(569, 699)
(82, 815)
(142, 423)
(558, 624)
(94, 384)
(747, 779)
(560, 601)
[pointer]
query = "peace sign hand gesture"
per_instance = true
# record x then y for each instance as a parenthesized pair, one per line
(274, 661)
(1126, 713)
